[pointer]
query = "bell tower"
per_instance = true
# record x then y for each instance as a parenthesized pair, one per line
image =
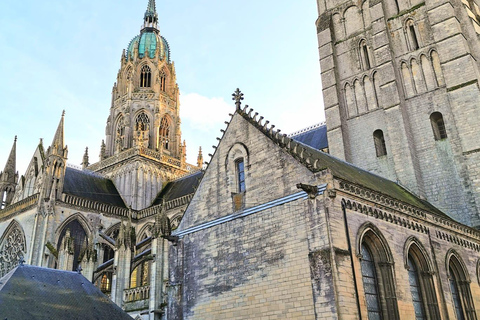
(145, 108)
(401, 94)
(143, 146)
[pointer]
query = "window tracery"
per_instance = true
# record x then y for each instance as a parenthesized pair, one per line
(145, 77)
(12, 248)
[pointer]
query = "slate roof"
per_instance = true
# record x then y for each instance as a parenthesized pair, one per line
(89, 185)
(35, 293)
(315, 137)
(179, 188)
(317, 161)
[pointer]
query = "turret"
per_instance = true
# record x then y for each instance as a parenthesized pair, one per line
(9, 177)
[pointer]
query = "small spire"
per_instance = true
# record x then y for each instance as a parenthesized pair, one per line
(9, 173)
(57, 146)
(85, 162)
(103, 151)
(200, 158)
(151, 17)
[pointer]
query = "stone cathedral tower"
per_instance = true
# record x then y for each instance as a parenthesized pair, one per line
(401, 92)
(143, 147)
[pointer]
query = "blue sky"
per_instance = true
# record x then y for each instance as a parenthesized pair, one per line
(59, 55)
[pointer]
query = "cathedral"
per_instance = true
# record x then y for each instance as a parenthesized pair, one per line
(373, 215)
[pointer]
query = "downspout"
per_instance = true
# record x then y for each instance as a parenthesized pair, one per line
(344, 210)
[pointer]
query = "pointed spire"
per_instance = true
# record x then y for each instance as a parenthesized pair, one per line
(9, 173)
(103, 151)
(200, 158)
(151, 8)
(57, 146)
(151, 17)
(85, 162)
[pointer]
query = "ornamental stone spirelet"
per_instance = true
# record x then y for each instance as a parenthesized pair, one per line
(238, 97)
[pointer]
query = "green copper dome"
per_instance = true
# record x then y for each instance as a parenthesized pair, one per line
(149, 41)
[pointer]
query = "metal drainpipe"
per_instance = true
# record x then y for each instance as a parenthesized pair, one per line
(351, 258)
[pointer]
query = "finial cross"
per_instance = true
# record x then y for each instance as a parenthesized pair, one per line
(238, 97)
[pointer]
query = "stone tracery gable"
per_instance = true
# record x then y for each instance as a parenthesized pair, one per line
(12, 248)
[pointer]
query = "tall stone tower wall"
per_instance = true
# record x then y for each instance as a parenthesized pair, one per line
(401, 93)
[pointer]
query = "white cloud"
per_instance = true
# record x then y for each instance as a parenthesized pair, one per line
(203, 113)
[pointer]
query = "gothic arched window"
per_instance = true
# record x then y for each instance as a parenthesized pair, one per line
(379, 141)
(12, 247)
(164, 133)
(377, 274)
(142, 122)
(460, 290)
(438, 126)
(415, 289)
(370, 284)
(364, 56)
(145, 77)
(420, 275)
(72, 241)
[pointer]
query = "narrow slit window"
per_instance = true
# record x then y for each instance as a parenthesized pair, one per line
(364, 56)
(438, 126)
(162, 82)
(240, 166)
(412, 35)
(379, 141)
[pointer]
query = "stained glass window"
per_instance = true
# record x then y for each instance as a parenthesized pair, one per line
(12, 248)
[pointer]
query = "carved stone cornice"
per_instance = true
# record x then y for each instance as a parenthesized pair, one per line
(390, 217)
(381, 199)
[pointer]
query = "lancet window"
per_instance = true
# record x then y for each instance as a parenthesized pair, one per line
(460, 290)
(377, 275)
(163, 81)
